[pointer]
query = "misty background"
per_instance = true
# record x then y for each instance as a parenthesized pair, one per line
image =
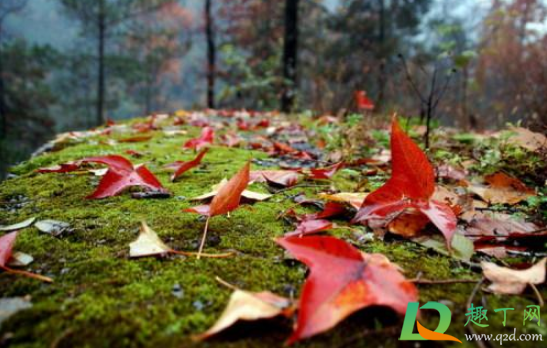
(74, 64)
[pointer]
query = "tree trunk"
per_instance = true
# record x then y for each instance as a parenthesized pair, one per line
(211, 55)
(101, 76)
(290, 55)
(381, 56)
(3, 107)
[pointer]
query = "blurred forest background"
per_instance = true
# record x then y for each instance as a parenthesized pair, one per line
(74, 64)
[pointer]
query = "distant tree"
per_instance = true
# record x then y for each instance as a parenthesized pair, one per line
(290, 55)
(367, 36)
(28, 98)
(250, 39)
(100, 20)
(511, 72)
(155, 46)
(7, 7)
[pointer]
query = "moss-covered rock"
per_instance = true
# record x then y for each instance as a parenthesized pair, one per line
(101, 298)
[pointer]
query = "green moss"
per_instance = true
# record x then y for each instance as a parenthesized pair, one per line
(101, 298)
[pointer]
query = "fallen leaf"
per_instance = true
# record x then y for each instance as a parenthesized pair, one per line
(7, 242)
(502, 189)
(181, 167)
(310, 226)
(497, 225)
(120, 175)
(527, 139)
(136, 139)
(226, 200)
(362, 101)
(206, 138)
(251, 195)
(461, 247)
(20, 259)
(245, 305)
(19, 225)
(355, 199)
(411, 185)
(325, 173)
(284, 178)
(343, 280)
(331, 209)
(509, 281)
(52, 227)
(147, 244)
(61, 168)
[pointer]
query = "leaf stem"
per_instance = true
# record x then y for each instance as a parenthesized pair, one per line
(191, 253)
(202, 244)
(27, 274)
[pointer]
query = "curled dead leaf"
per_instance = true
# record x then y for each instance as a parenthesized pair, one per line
(509, 281)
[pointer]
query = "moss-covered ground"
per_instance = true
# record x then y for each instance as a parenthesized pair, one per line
(102, 298)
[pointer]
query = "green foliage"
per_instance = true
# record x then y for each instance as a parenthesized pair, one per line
(252, 86)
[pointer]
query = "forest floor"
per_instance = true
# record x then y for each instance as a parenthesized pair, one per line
(100, 297)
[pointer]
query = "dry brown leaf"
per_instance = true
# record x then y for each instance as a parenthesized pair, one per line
(245, 305)
(509, 281)
(498, 224)
(355, 199)
(502, 189)
(527, 139)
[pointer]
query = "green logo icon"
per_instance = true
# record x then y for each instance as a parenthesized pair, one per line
(423, 333)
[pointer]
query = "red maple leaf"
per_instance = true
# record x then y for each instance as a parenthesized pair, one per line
(343, 280)
(60, 168)
(183, 166)
(310, 226)
(120, 175)
(362, 101)
(277, 177)
(326, 173)
(411, 185)
(205, 139)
